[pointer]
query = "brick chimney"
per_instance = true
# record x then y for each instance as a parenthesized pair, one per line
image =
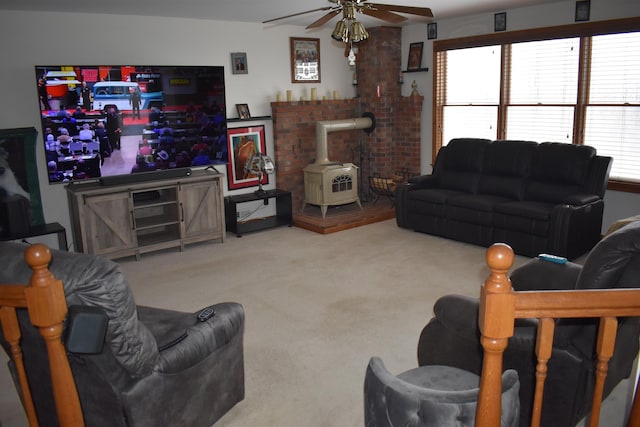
(393, 145)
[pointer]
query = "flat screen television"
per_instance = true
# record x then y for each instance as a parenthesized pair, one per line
(118, 123)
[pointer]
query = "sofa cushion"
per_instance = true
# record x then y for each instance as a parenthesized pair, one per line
(93, 281)
(523, 216)
(473, 208)
(559, 170)
(560, 163)
(461, 165)
(430, 201)
(506, 165)
(465, 154)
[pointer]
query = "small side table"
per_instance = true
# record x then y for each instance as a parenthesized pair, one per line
(41, 230)
(284, 212)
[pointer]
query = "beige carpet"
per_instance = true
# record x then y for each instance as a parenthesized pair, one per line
(317, 308)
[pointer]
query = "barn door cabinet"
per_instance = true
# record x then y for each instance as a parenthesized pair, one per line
(130, 219)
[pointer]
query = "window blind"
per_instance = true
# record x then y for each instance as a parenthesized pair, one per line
(472, 93)
(612, 122)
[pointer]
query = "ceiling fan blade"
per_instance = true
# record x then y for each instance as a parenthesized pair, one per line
(326, 18)
(422, 11)
(384, 15)
(297, 14)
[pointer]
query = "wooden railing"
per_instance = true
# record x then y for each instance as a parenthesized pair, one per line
(44, 299)
(500, 305)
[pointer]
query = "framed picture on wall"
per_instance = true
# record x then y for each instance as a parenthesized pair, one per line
(432, 31)
(239, 63)
(305, 60)
(243, 143)
(500, 21)
(583, 10)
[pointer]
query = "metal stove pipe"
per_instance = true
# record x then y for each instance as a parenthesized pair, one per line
(326, 126)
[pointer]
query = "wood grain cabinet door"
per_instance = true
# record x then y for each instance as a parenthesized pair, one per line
(202, 209)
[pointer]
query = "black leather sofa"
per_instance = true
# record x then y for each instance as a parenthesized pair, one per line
(452, 336)
(538, 198)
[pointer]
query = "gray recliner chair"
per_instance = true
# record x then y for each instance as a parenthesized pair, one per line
(431, 396)
(613, 263)
(157, 367)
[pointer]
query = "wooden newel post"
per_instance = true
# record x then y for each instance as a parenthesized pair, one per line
(497, 309)
(47, 311)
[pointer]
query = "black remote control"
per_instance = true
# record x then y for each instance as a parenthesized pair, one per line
(206, 314)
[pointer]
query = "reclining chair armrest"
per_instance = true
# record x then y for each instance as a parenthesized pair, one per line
(452, 336)
(537, 275)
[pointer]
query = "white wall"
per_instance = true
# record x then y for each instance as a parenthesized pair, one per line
(28, 39)
(617, 204)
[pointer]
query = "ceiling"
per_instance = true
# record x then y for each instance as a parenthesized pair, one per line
(258, 11)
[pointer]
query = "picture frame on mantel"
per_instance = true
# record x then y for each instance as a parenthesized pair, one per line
(305, 60)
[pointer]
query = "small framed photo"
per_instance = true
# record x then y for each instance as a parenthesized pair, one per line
(432, 31)
(243, 143)
(500, 21)
(583, 9)
(415, 56)
(243, 111)
(305, 60)
(239, 63)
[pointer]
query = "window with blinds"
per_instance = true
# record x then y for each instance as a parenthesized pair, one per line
(470, 107)
(542, 90)
(556, 87)
(612, 123)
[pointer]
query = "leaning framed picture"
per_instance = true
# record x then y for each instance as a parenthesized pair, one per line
(243, 143)
(239, 63)
(415, 56)
(243, 111)
(19, 186)
(305, 60)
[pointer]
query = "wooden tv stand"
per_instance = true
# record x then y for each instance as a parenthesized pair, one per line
(115, 221)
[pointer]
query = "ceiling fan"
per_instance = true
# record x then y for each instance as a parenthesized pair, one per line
(348, 29)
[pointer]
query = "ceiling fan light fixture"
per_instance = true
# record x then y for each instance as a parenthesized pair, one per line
(358, 32)
(341, 32)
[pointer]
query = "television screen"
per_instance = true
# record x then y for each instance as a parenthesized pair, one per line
(102, 121)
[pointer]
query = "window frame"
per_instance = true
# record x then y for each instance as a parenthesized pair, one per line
(583, 30)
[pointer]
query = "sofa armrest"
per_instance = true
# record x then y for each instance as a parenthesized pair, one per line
(423, 181)
(580, 199)
(538, 275)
